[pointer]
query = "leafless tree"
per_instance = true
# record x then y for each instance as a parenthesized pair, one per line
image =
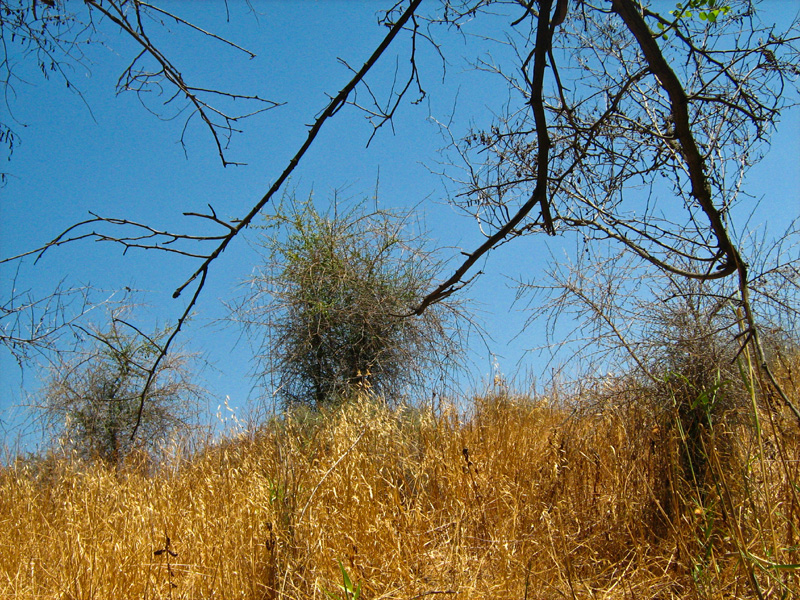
(632, 126)
(624, 124)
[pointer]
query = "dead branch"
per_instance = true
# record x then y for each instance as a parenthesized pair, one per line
(237, 226)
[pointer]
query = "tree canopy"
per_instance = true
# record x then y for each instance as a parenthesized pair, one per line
(628, 121)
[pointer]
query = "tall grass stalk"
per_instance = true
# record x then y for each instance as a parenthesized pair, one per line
(518, 499)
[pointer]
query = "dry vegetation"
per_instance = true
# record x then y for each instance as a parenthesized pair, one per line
(517, 499)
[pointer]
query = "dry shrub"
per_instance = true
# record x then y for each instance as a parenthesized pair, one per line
(517, 499)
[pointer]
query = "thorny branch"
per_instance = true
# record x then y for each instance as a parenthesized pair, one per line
(630, 13)
(381, 115)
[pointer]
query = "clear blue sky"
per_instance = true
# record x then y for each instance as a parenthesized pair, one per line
(105, 153)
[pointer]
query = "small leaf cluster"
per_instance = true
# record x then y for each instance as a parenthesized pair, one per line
(706, 10)
(710, 14)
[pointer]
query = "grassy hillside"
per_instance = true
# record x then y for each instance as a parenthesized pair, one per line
(518, 499)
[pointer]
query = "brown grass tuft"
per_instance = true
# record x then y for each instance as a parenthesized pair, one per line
(520, 499)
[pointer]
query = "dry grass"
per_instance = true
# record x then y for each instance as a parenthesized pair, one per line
(517, 500)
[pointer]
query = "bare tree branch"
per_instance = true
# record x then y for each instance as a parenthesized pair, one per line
(331, 109)
(140, 80)
(701, 188)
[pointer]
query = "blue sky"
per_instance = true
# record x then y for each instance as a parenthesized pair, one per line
(103, 152)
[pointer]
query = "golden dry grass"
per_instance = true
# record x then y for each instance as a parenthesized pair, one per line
(517, 500)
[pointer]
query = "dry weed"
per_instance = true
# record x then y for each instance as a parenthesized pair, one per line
(517, 500)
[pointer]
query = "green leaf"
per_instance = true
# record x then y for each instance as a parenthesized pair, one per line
(350, 592)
